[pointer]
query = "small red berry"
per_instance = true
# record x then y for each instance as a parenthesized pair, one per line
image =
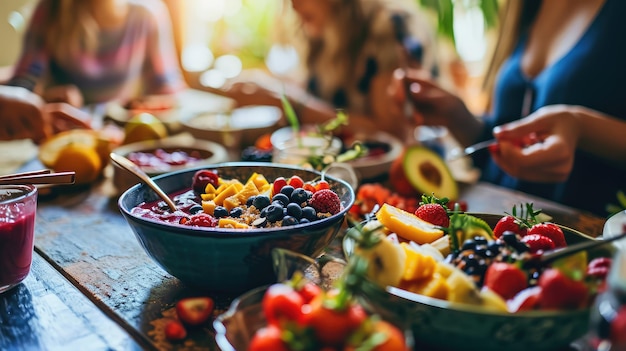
(508, 223)
(434, 214)
(278, 184)
(322, 184)
(174, 330)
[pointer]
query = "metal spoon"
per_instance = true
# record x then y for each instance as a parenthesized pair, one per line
(134, 169)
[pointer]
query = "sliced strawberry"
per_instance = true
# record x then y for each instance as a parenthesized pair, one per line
(598, 268)
(295, 181)
(508, 223)
(536, 242)
(505, 279)
(434, 214)
(525, 300)
(194, 310)
(550, 230)
(175, 331)
(278, 184)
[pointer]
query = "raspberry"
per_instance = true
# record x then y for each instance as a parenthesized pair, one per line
(434, 214)
(325, 201)
(201, 220)
(537, 242)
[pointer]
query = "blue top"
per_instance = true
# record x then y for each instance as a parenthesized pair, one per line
(591, 74)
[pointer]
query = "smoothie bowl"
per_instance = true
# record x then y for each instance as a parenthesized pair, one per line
(229, 218)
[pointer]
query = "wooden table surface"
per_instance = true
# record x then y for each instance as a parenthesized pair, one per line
(92, 286)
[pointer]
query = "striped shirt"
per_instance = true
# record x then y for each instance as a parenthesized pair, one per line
(139, 58)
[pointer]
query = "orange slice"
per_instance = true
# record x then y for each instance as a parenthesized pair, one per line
(81, 159)
(49, 150)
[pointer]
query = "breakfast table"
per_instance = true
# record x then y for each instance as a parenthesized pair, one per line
(93, 287)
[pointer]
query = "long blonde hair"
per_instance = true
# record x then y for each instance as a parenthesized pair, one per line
(352, 23)
(71, 28)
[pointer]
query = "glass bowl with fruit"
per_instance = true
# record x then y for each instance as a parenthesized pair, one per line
(230, 216)
(479, 281)
(307, 312)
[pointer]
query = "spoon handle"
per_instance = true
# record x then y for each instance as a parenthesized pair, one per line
(134, 169)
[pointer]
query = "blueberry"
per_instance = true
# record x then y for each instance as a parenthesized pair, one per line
(236, 212)
(260, 222)
(220, 211)
(480, 240)
(468, 244)
(282, 198)
(509, 237)
(274, 213)
(299, 196)
(261, 201)
(288, 220)
(480, 250)
(304, 220)
(250, 201)
(195, 209)
(263, 213)
(309, 213)
(287, 190)
(294, 210)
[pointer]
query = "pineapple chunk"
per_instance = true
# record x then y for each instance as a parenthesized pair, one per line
(208, 207)
(417, 266)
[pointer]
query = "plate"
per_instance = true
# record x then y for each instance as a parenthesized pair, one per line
(240, 127)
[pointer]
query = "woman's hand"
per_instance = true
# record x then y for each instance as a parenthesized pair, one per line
(22, 115)
(432, 104)
(69, 94)
(550, 156)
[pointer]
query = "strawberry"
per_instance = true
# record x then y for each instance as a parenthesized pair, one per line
(525, 300)
(278, 184)
(194, 310)
(558, 291)
(536, 242)
(599, 267)
(325, 201)
(295, 181)
(508, 223)
(433, 213)
(550, 230)
(175, 331)
(505, 279)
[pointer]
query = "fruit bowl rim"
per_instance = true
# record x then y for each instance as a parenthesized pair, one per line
(234, 233)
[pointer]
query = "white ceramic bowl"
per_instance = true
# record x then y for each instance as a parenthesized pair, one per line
(236, 129)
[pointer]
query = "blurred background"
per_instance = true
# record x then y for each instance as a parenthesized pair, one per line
(217, 39)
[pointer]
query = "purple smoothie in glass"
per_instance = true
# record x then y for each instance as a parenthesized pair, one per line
(18, 204)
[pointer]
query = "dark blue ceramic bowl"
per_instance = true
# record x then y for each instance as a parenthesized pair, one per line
(221, 259)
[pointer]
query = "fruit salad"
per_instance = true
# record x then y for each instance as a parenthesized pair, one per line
(458, 257)
(254, 203)
(302, 316)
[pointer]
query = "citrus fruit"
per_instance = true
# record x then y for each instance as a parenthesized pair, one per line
(144, 126)
(81, 159)
(50, 148)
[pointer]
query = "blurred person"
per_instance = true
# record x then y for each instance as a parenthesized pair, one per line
(87, 52)
(558, 103)
(349, 50)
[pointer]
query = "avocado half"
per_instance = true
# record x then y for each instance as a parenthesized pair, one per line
(428, 173)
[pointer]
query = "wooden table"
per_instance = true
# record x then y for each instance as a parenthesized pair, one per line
(92, 286)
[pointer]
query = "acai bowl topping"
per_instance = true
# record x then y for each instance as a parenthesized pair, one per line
(213, 201)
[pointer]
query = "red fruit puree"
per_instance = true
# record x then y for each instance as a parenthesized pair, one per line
(17, 223)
